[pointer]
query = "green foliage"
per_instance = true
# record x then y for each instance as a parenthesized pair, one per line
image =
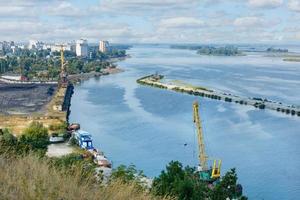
(60, 128)
(130, 175)
(32, 62)
(185, 184)
(180, 182)
(31, 177)
(35, 137)
(210, 50)
(127, 174)
(67, 160)
(8, 138)
(73, 141)
(8, 143)
(273, 50)
(74, 164)
(220, 51)
(228, 187)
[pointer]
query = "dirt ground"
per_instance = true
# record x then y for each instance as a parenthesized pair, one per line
(25, 98)
(58, 150)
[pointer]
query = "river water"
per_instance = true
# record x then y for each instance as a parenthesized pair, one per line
(149, 127)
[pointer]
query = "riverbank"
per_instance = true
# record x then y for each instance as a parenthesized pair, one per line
(55, 112)
(75, 78)
(260, 103)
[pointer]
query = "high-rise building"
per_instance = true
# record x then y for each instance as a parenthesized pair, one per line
(34, 44)
(66, 47)
(82, 48)
(103, 46)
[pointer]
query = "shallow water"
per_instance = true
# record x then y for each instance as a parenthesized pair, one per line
(148, 127)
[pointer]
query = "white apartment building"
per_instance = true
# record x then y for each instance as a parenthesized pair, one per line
(66, 47)
(82, 48)
(103, 46)
(34, 44)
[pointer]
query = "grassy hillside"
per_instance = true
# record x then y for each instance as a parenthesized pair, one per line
(30, 177)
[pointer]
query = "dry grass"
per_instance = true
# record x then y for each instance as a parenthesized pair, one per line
(30, 178)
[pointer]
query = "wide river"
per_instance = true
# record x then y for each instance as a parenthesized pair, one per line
(149, 127)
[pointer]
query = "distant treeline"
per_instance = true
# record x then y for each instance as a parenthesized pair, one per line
(210, 50)
(45, 65)
(273, 50)
(121, 46)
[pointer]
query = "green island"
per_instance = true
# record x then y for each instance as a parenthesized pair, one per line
(211, 50)
(274, 50)
(229, 50)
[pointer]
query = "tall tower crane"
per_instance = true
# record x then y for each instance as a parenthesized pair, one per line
(207, 174)
(63, 73)
(62, 58)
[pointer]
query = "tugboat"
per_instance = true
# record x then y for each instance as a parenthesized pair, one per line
(84, 139)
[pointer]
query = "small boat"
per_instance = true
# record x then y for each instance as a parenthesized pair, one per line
(74, 127)
(102, 161)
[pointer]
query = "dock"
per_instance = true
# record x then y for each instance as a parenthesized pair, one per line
(157, 81)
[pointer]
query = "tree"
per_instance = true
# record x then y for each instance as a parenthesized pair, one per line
(8, 143)
(183, 183)
(228, 188)
(35, 137)
(128, 174)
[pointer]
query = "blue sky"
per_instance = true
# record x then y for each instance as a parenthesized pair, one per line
(152, 21)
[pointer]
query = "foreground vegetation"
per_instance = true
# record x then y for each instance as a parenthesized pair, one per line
(26, 173)
(30, 177)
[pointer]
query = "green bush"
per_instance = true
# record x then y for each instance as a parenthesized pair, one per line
(185, 184)
(35, 137)
(62, 127)
(127, 174)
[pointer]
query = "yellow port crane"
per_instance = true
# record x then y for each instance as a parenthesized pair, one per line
(62, 58)
(207, 174)
(63, 73)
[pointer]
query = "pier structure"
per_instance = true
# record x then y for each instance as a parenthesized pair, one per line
(178, 86)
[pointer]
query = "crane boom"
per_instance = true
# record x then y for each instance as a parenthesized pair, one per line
(206, 174)
(202, 155)
(62, 58)
(63, 73)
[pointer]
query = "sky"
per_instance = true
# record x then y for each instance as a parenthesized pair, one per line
(152, 21)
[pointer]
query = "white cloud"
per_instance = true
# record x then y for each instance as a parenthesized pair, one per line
(145, 7)
(297, 36)
(181, 22)
(249, 22)
(145, 3)
(294, 5)
(265, 3)
(147, 20)
(65, 9)
(17, 11)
